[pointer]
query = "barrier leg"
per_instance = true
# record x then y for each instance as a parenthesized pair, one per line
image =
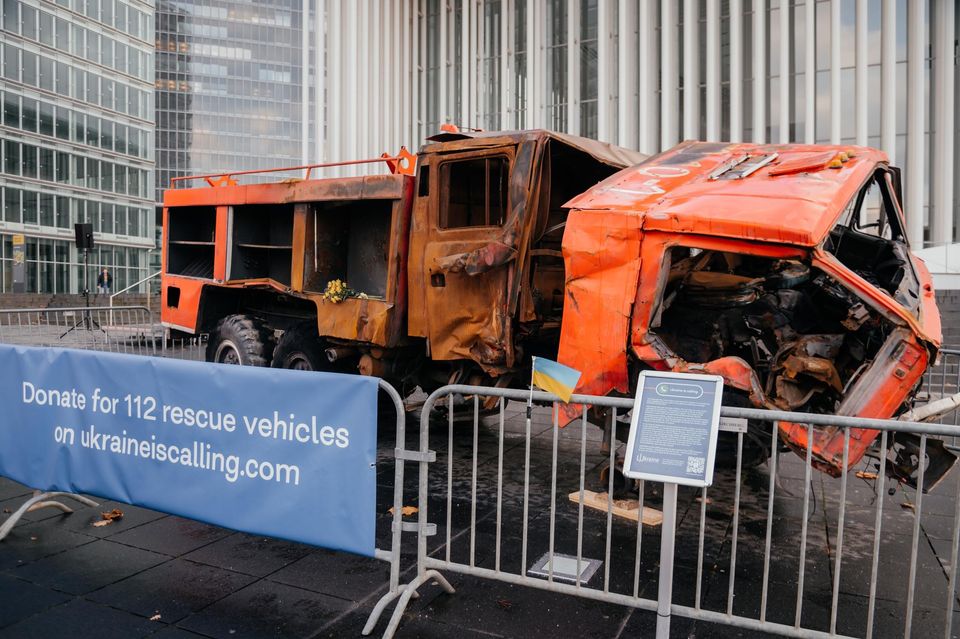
(382, 605)
(668, 530)
(409, 591)
(38, 501)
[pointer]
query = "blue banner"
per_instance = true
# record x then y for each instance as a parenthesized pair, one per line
(266, 451)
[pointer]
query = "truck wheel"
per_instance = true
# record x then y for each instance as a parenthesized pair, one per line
(300, 349)
(239, 339)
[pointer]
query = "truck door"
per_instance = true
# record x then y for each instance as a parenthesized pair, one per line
(466, 310)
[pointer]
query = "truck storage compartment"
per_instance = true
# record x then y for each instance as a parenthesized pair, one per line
(349, 241)
(262, 243)
(190, 240)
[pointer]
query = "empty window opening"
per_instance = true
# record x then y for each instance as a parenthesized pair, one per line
(191, 232)
(349, 241)
(869, 240)
(262, 242)
(475, 192)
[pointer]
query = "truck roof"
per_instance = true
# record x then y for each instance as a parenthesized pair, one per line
(610, 154)
(784, 193)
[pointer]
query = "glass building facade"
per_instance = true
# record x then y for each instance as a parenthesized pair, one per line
(77, 139)
(228, 86)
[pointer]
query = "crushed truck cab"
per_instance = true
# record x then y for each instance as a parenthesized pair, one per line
(782, 268)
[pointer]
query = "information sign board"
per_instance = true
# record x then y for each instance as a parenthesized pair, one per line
(673, 431)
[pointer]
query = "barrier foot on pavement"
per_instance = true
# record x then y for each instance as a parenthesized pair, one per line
(38, 501)
(406, 593)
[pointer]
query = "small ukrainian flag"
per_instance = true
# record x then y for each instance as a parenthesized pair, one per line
(555, 378)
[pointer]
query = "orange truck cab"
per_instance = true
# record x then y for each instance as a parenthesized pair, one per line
(785, 269)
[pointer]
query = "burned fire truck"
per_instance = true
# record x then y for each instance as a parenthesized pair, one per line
(782, 268)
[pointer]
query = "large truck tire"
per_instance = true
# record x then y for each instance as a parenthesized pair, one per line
(300, 348)
(240, 339)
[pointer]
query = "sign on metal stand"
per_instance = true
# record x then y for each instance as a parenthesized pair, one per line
(673, 439)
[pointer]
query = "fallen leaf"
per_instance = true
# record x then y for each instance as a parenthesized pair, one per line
(116, 513)
(865, 474)
(6, 510)
(406, 511)
(32, 538)
(505, 604)
(709, 501)
(102, 522)
(907, 505)
(156, 617)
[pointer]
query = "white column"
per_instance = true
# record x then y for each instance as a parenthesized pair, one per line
(713, 70)
(861, 72)
(736, 70)
(835, 95)
(530, 103)
(888, 83)
(628, 64)
(444, 107)
(406, 81)
(305, 81)
(573, 67)
(474, 59)
(668, 74)
(465, 65)
(914, 175)
(537, 67)
(334, 66)
(648, 138)
(319, 75)
(760, 71)
(378, 75)
(350, 87)
(391, 24)
(358, 99)
(419, 101)
(506, 64)
(943, 121)
(604, 72)
(691, 69)
(810, 73)
(785, 49)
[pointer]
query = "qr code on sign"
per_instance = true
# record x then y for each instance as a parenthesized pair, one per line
(695, 464)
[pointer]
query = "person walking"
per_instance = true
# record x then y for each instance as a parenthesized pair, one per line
(104, 281)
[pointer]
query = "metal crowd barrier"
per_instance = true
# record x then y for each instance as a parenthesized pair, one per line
(943, 380)
(120, 329)
(769, 546)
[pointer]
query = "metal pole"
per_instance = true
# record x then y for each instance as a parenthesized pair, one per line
(668, 532)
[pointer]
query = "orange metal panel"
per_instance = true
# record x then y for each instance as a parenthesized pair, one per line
(221, 243)
(183, 317)
(601, 253)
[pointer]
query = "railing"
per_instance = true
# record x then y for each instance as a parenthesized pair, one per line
(117, 329)
(134, 285)
(404, 163)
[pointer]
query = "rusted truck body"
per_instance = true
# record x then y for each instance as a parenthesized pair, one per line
(782, 268)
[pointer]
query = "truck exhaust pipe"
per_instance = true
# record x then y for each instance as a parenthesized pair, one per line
(338, 353)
